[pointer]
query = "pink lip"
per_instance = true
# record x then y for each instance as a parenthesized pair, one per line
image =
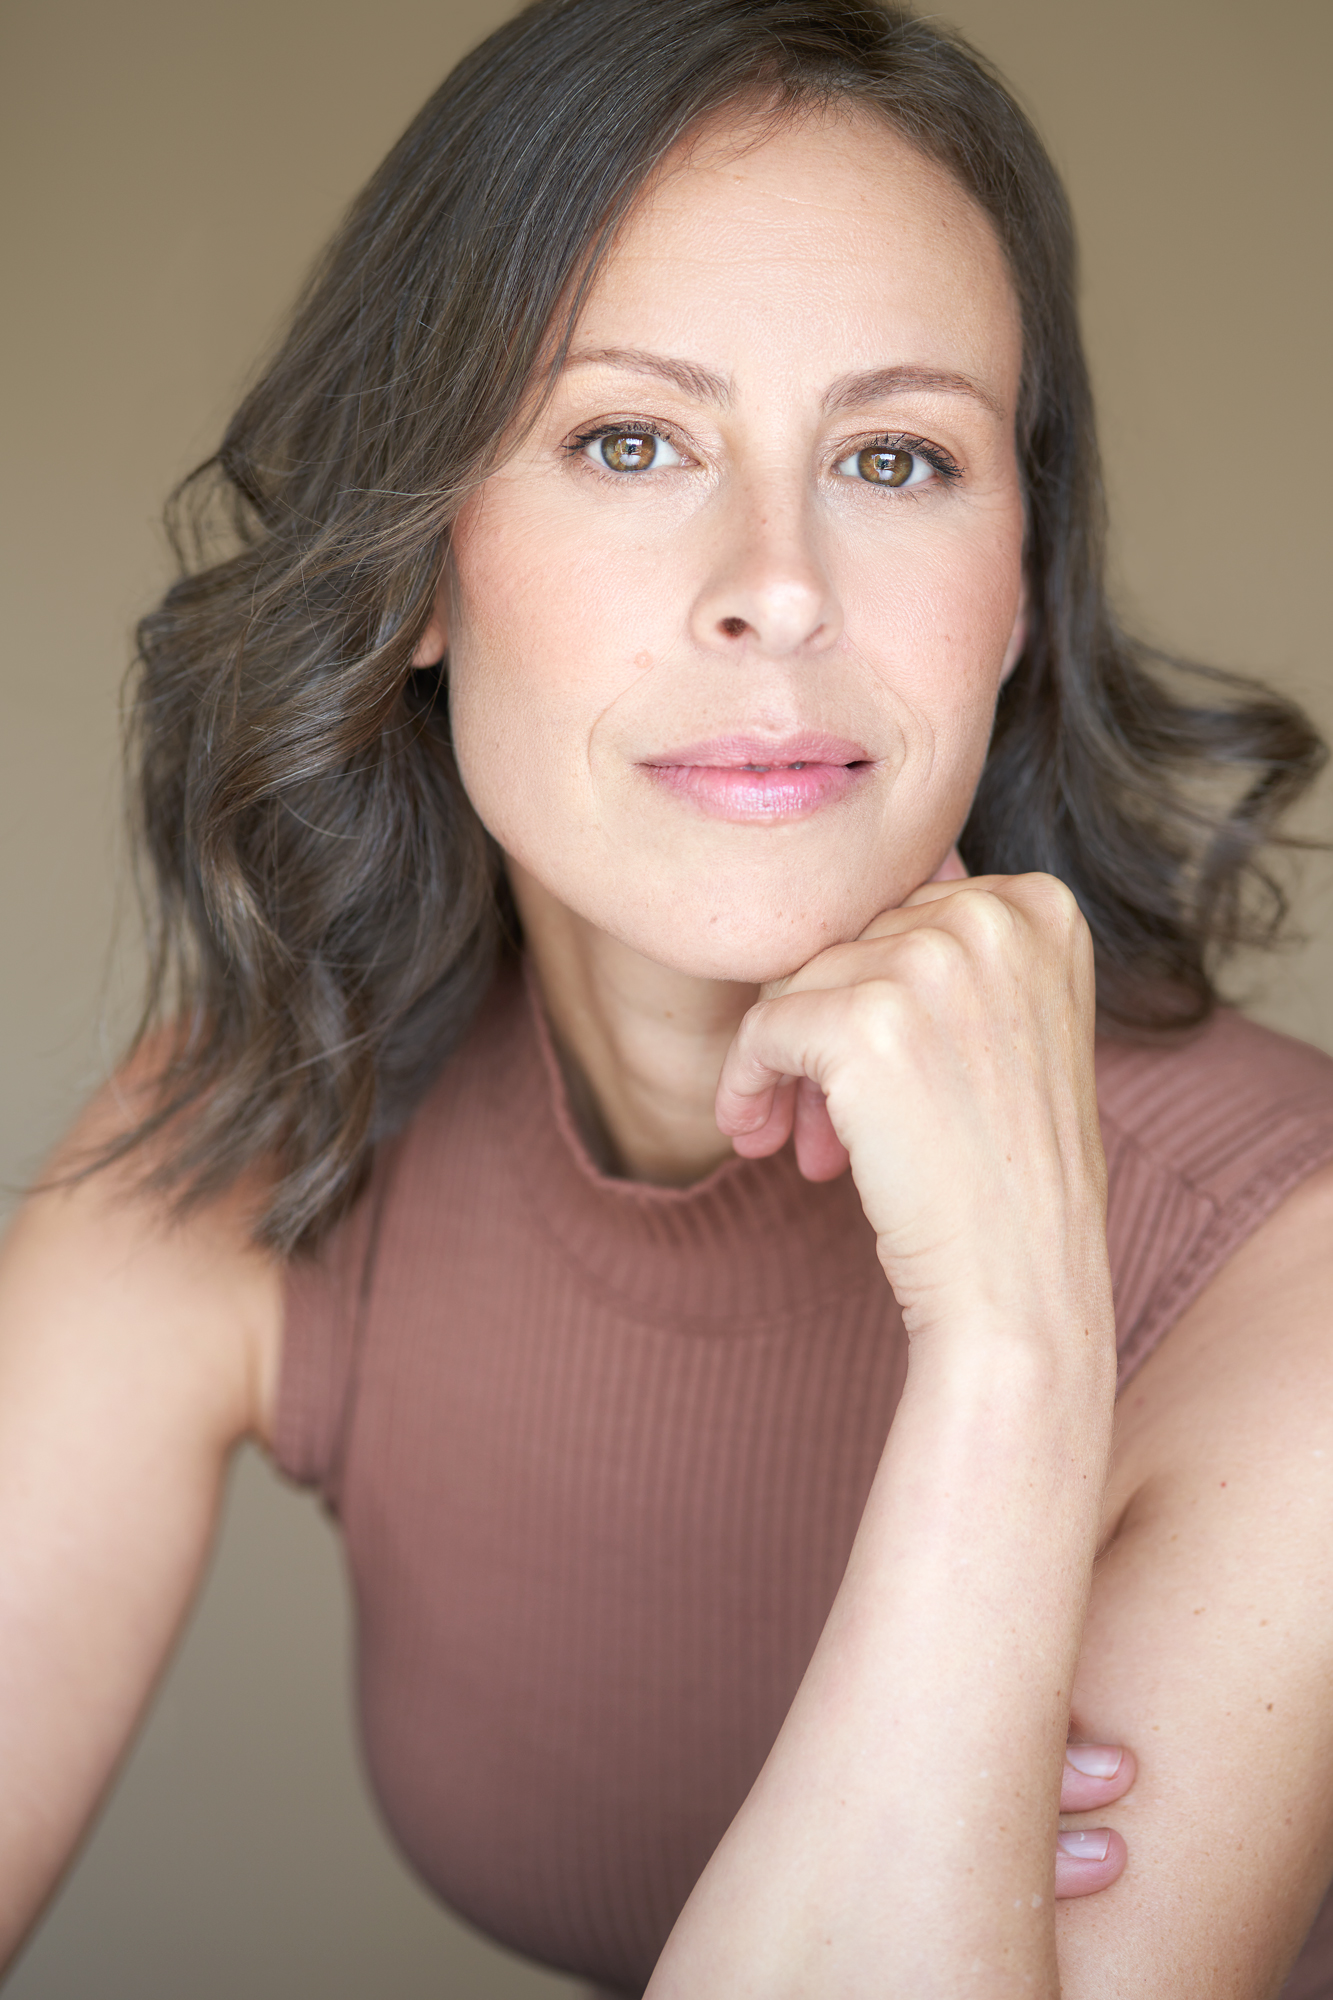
(765, 778)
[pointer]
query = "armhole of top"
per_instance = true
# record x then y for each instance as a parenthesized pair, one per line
(1220, 1230)
(327, 1301)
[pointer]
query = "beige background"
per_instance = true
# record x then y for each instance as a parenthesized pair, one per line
(171, 167)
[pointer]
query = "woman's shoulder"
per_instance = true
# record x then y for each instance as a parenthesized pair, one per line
(179, 1302)
(1206, 1134)
(1190, 1097)
(135, 1351)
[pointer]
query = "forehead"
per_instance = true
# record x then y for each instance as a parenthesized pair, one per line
(827, 238)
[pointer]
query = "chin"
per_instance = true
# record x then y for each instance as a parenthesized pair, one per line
(744, 947)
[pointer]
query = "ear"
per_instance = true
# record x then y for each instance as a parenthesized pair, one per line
(434, 641)
(1018, 638)
(433, 644)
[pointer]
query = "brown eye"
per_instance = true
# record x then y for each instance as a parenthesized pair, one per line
(885, 468)
(628, 451)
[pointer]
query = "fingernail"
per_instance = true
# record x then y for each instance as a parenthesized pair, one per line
(1095, 1760)
(1085, 1846)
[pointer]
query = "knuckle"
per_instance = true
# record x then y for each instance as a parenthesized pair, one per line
(869, 999)
(1037, 906)
(978, 924)
(991, 919)
(1053, 900)
(876, 1016)
(878, 1006)
(931, 955)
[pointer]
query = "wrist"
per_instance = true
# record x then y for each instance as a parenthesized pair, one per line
(1054, 1326)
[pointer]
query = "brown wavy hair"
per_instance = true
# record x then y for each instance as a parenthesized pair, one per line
(326, 910)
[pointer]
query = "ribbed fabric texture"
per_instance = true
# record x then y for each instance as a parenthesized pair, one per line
(599, 1452)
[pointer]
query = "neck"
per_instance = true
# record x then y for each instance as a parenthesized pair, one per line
(641, 1046)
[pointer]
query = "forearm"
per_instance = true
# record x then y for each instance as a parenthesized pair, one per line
(900, 1837)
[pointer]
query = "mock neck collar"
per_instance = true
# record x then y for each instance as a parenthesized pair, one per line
(750, 1245)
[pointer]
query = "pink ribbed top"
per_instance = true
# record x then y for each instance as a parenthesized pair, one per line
(599, 1451)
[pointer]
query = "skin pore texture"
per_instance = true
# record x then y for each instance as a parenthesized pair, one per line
(749, 591)
(773, 308)
(690, 586)
(725, 633)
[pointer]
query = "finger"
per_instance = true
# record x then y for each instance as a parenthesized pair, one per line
(1094, 1775)
(941, 885)
(778, 1104)
(820, 1153)
(772, 1046)
(1086, 1860)
(944, 884)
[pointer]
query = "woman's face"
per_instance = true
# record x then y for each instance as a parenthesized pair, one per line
(725, 632)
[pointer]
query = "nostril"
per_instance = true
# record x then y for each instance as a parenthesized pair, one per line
(733, 627)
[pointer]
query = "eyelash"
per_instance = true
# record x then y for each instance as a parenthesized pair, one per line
(626, 425)
(919, 447)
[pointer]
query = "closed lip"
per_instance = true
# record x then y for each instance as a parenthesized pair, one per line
(737, 752)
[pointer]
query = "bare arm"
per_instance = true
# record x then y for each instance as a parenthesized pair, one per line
(900, 1838)
(132, 1358)
(1211, 1631)
(896, 1841)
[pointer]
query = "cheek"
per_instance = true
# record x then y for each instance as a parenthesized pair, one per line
(542, 641)
(541, 596)
(936, 622)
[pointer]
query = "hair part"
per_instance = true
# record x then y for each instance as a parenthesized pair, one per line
(325, 910)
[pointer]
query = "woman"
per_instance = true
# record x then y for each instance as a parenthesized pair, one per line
(668, 538)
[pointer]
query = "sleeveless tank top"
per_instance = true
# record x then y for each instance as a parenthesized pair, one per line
(598, 1452)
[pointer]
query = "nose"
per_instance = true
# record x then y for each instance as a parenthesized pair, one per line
(768, 588)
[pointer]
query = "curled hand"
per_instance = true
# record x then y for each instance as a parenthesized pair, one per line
(947, 1054)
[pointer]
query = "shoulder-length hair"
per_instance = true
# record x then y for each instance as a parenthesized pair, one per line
(326, 910)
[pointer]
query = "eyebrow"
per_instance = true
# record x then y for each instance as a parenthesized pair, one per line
(705, 386)
(850, 390)
(701, 383)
